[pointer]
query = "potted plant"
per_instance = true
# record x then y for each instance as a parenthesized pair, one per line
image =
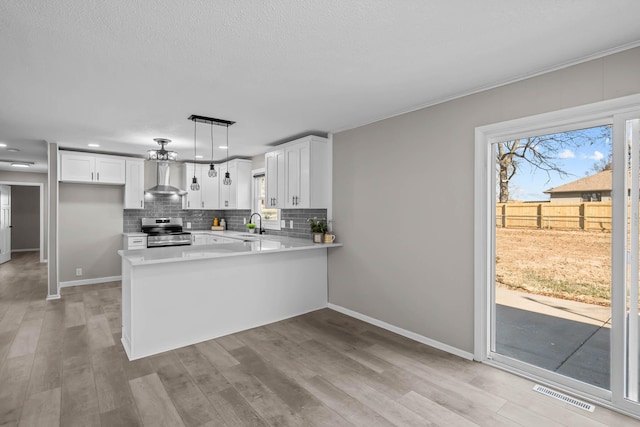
(251, 227)
(318, 228)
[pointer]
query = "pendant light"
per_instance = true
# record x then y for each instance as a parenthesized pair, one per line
(227, 177)
(212, 171)
(194, 182)
(212, 168)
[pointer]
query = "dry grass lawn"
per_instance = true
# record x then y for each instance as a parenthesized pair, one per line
(574, 265)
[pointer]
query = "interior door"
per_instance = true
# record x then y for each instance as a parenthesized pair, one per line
(5, 223)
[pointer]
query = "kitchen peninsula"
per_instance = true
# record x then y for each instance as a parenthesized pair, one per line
(177, 296)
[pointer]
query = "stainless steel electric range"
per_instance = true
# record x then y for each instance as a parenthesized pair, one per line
(165, 232)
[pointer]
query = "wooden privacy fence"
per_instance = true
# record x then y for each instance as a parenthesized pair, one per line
(590, 216)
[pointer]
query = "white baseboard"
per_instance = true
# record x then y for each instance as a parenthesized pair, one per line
(90, 281)
(408, 334)
(52, 297)
(25, 250)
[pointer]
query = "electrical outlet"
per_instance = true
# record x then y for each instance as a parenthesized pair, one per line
(290, 223)
(244, 221)
(78, 272)
(188, 225)
(283, 223)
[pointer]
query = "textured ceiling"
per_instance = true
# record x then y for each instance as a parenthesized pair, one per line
(120, 73)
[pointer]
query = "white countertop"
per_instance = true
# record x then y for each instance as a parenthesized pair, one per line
(135, 234)
(260, 244)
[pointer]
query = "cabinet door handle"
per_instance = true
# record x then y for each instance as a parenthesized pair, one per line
(141, 203)
(202, 204)
(98, 174)
(188, 204)
(91, 176)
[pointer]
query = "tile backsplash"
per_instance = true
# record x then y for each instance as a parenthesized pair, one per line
(171, 206)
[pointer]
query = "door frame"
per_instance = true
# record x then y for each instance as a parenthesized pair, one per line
(42, 201)
(605, 112)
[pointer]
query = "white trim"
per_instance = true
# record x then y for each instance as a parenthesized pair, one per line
(492, 86)
(405, 333)
(330, 181)
(53, 297)
(26, 250)
(90, 281)
(41, 201)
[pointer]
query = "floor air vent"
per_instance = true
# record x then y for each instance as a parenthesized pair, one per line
(567, 399)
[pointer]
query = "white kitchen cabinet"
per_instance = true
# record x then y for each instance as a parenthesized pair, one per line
(134, 242)
(302, 171)
(134, 184)
(193, 198)
(91, 168)
(238, 194)
(209, 188)
(199, 239)
(207, 238)
(208, 195)
(274, 179)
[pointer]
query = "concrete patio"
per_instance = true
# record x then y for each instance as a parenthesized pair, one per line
(567, 337)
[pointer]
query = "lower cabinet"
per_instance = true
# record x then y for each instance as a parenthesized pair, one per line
(134, 242)
(203, 238)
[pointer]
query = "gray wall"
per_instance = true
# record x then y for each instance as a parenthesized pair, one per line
(25, 218)
(89, 230)
(258, 161)
(39, 178)
(406, 261)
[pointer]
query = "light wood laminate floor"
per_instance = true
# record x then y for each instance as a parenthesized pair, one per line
(61, 363)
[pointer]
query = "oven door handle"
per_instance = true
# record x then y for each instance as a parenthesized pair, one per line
(168, 243)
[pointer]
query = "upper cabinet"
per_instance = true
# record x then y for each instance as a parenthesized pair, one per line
(213, 194)
(134, 184)
(298, 174)
(193, 198)
(274, 179)
(208, 195)
(238, 194)
(91, 168)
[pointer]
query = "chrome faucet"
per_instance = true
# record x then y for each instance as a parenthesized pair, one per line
(260, 229)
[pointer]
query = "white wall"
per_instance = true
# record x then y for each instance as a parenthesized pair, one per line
(89, 230)
(403, 198)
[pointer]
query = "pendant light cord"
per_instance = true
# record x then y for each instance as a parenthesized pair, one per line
(194, 147)
(211, 143)
(227, 148)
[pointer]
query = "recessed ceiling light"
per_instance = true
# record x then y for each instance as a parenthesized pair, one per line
(2, 144)
(20, 165)
(224, 147)
(13, 150)
(198, 156)
(93, 145)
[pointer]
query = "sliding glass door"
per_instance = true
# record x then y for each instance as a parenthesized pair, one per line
(558, 250)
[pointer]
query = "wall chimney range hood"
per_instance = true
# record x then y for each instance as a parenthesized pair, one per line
(162, 158)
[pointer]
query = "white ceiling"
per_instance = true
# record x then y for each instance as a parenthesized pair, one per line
(120, 73)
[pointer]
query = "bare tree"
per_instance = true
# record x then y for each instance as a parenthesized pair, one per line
(542, 152)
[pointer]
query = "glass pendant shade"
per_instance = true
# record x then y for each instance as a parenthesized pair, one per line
(227, 179)
(194, 184)
(212, 171)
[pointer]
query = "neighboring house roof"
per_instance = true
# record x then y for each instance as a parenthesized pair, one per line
(598, 182)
